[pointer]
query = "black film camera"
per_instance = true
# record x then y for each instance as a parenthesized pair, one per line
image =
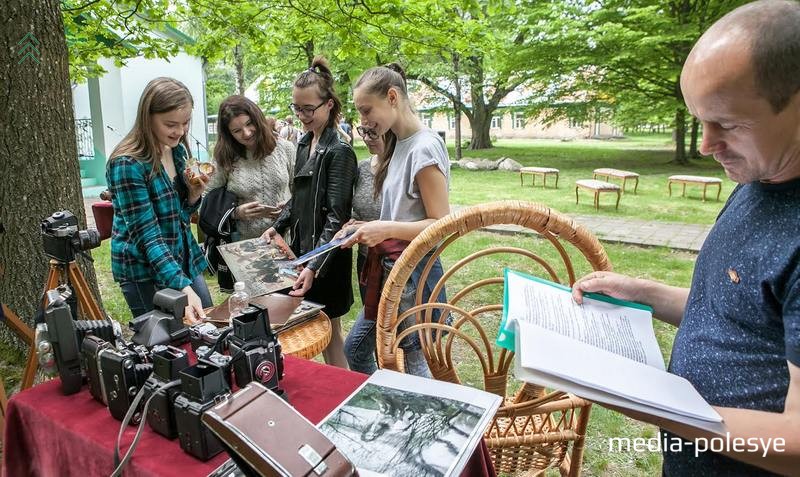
(164, 324)
(255, 349)
(168, 362)
(123, 372)
(58, 338)
(201, 384)
(62, 238)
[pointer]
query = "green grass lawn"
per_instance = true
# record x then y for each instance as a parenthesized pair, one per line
(649, 155)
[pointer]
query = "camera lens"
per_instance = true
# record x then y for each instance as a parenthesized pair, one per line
(86, 239)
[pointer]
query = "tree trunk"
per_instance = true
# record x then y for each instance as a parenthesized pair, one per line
(481, 115)
(480, 132)
(457, 108)
(680, 137)
(238, 62)
(38, 153)
(693, 152)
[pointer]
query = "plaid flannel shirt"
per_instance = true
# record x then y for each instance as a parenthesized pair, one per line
(151, 215)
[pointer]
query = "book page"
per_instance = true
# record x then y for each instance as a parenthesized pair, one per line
(547, 358)
(619, 328)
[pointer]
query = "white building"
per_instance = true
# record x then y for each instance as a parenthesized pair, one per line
(105, 107)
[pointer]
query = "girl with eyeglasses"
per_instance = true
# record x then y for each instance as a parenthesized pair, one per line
(412, 174)
(324, 174)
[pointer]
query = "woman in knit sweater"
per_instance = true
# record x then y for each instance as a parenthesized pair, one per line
(252, 164)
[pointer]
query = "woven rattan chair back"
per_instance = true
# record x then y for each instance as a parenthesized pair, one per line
(535, 427)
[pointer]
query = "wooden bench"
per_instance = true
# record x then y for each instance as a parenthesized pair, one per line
(608, 172)
(538, 171)
(695, 180)
(596, 187)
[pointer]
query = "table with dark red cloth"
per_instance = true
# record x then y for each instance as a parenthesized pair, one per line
(49, 434)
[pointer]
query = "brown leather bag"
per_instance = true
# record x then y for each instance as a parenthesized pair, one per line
(268, 437)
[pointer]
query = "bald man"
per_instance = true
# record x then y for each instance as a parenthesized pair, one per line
(738, 339)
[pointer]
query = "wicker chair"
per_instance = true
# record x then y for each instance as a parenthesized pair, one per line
(533, 430)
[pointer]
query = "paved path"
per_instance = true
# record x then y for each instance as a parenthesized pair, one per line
(634, 231)
(608, 229)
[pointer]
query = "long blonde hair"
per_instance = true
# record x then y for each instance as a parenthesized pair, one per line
(161, 95)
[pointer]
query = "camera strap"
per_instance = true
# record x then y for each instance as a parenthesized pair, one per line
(121, 463)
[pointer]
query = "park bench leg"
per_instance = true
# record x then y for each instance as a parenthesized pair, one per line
(683, 192)
(669, 185)
(544, 181)
(556, 181)
(705, 187)
(635, 185)
(521, 183)
(719, 189)
(596, 200)
(576, 195)
(617, 206)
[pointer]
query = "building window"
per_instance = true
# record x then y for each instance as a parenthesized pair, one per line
(497, 122)
(212, 128)
(519, 120)
(427, 119)
(451, 121)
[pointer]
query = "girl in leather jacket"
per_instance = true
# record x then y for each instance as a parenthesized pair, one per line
(324, 175)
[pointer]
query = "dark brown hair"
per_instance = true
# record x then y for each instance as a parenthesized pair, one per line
(377, 81)
(161, 95)
(228, 148)
(320, 75)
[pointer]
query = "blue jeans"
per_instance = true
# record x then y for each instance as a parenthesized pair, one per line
(360, 346)
(139, 295)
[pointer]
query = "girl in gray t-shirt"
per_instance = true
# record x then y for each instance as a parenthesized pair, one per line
(412, 175)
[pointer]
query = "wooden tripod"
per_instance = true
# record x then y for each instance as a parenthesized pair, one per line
(60, 273)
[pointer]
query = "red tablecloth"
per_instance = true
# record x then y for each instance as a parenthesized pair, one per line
(49, 434)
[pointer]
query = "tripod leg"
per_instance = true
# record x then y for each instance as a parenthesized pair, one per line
(53, 280)
(25, 333)
(84, 294)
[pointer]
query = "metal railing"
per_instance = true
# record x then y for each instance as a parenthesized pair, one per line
(83, 134)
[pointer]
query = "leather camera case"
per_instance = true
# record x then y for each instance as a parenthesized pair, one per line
(267, 437)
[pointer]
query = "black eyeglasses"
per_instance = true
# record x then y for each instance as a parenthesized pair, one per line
(367, 133)
(306, 110)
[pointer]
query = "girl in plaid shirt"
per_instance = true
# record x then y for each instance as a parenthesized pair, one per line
(154, 196)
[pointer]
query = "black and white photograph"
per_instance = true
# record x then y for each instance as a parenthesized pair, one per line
(394, 432)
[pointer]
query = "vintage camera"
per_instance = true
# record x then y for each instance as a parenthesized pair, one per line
(62, 239)
(201, 384)
(207, 334)
(92, 348)
(58, 338)
(123, 372)
(164, 324)
(255, 350)
(168, 362)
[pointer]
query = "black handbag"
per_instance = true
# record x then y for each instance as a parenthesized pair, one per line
(216, 221)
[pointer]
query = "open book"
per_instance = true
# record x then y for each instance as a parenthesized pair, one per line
(402, 425)
(604, 350)
(264, 267)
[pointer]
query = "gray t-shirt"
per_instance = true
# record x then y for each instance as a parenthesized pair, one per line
(401, 199)
(365, 206)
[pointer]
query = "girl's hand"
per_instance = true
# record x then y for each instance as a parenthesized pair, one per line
(250, 211)
(370, 234)
(196, 184)
(193, 312)
(303, 282)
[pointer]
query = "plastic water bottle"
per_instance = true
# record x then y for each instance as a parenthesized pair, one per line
(238, 301)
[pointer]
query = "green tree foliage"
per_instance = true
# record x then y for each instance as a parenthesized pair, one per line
(118, 30)
(629, 54)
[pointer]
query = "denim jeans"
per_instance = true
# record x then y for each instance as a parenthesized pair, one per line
(360, 346)
(139, 295)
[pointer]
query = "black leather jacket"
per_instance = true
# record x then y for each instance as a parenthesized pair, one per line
(322, 196)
